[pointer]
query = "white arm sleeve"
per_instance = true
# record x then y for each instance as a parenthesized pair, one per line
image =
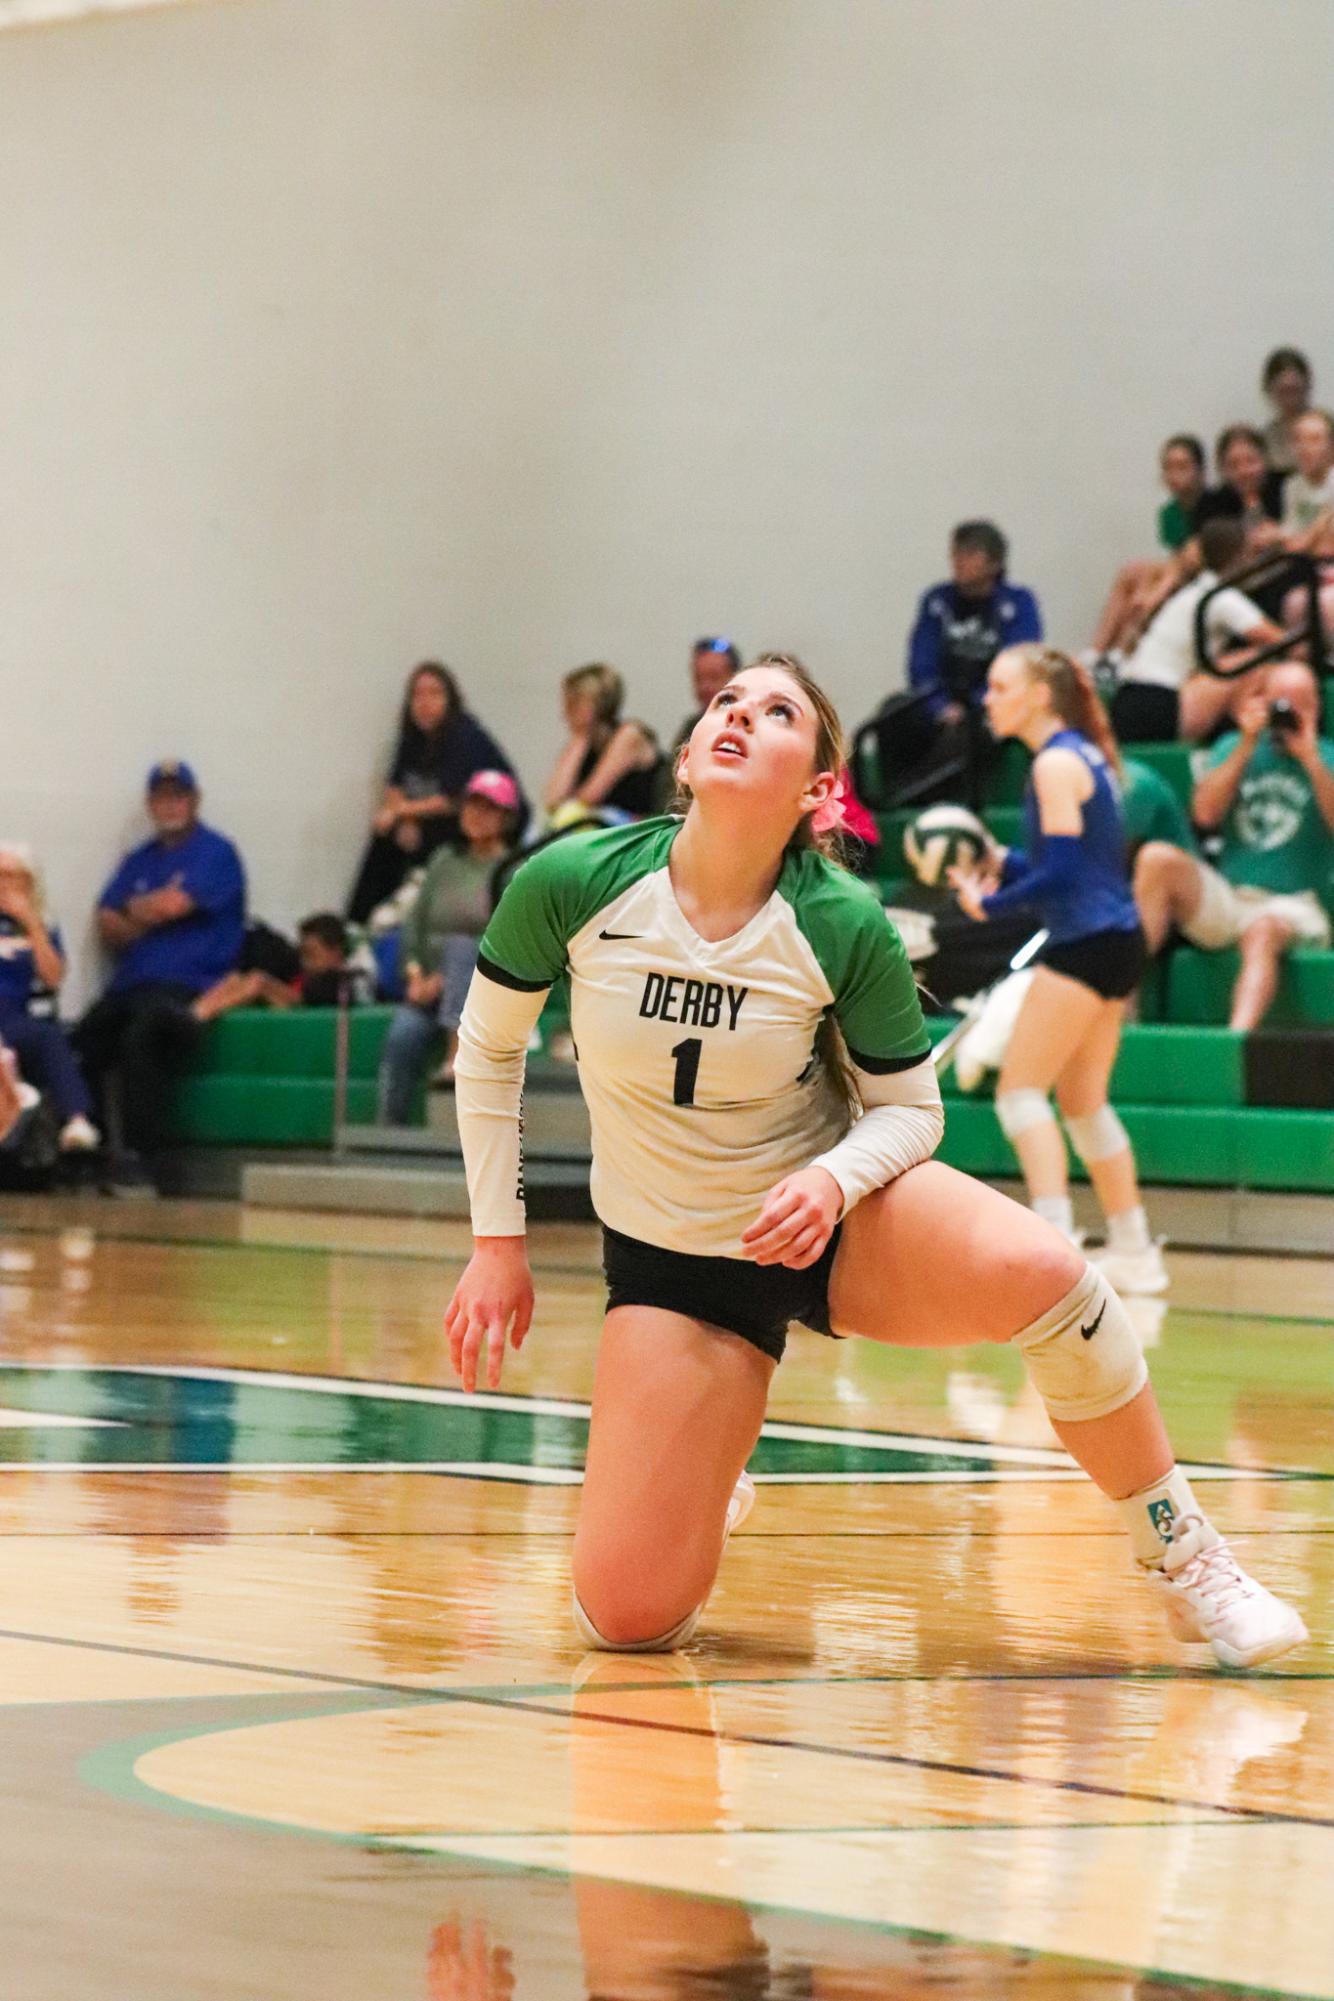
(901, 1126)
(488, 1095)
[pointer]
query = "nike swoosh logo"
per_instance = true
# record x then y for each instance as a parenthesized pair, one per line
(620, 934)
(1089, 1332)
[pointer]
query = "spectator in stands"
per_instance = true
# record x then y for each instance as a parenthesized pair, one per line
(440, 746)
(1249, 490)
(713, 662)
(1287, 381)
(962, 625)
(172, 916)
(1269, 792)
(609, 767)
(1152, 809)
(1161, 694)
(32, 967)
(323, 975)
(1138, 584)
(1308, 510)
(440, 938)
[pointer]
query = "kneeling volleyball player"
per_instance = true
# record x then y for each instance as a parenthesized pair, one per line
(763, 1111)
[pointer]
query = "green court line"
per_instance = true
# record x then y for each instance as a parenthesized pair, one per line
(111, 1769)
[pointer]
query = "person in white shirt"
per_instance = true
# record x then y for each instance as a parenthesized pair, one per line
(1160, 694)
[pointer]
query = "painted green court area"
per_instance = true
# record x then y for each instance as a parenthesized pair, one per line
(137, 1419)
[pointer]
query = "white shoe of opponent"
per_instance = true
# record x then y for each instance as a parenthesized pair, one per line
(1209, 1597)
(1133, 1271)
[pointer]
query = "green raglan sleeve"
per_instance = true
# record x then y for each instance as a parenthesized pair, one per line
(880, 1016)
(876, 1003)
(524, 945)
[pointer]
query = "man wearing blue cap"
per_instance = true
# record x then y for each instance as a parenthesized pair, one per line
(172, 916)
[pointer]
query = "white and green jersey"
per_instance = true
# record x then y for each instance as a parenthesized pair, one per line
(697, 1059)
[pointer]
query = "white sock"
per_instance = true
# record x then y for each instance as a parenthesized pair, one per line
(1150, 1514)
(1056, 1209)
(1128, 1232)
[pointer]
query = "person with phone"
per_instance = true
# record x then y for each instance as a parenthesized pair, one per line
(1269, 792)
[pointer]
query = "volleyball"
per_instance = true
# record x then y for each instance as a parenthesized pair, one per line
(942, 838)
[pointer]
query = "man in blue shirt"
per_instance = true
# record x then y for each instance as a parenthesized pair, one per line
(172, 916)
(962, 625)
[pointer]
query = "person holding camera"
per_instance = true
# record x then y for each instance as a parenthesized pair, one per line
(1268, 792)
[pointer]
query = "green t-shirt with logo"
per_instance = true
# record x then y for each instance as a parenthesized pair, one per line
(1274, 836)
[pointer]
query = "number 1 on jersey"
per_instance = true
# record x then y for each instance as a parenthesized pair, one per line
(687, 1056)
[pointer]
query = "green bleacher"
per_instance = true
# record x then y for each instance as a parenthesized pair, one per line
(264, 1078)
(1180, 1091)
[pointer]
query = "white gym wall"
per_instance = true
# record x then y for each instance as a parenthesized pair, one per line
(340, 332)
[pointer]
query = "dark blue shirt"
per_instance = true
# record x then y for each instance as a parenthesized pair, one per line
(191, 951)
(423, 765)
(958, 637)
(1079, 883)
(19, 984)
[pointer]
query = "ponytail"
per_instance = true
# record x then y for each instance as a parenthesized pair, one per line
(1074, 697)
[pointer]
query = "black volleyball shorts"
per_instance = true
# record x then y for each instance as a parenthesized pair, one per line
(755, 1301)
(1110, 962)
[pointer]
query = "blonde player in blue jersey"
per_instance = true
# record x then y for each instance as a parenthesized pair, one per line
(1074, 872)
(764, 1110)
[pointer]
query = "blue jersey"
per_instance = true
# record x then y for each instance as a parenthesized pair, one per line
(1080, 885)
(191, 951)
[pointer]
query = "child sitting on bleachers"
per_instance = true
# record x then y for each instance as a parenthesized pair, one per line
(317, 972)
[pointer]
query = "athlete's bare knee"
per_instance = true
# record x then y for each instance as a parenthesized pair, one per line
(625, 1607)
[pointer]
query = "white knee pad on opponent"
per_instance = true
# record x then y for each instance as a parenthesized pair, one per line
(1020, 1111)
(1098, 1135)
(1082, 1353)
(676, 1636)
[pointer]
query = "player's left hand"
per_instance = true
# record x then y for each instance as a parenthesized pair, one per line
(969, 887)
(796, 1220)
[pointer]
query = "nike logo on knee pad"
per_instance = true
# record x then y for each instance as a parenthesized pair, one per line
(1089, 1332)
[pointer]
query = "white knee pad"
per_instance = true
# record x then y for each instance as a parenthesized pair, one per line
(1098, 1135)
(676, 1636)
(1082, 1353)
(1020, 1111)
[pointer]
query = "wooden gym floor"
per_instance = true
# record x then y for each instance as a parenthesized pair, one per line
(290, 1706)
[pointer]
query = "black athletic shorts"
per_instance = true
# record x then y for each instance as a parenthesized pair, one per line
(1110, 962)
(754, 1301)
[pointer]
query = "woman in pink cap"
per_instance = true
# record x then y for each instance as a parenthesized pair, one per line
(440, 938)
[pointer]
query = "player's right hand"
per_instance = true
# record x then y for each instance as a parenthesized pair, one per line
(494, 1298)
